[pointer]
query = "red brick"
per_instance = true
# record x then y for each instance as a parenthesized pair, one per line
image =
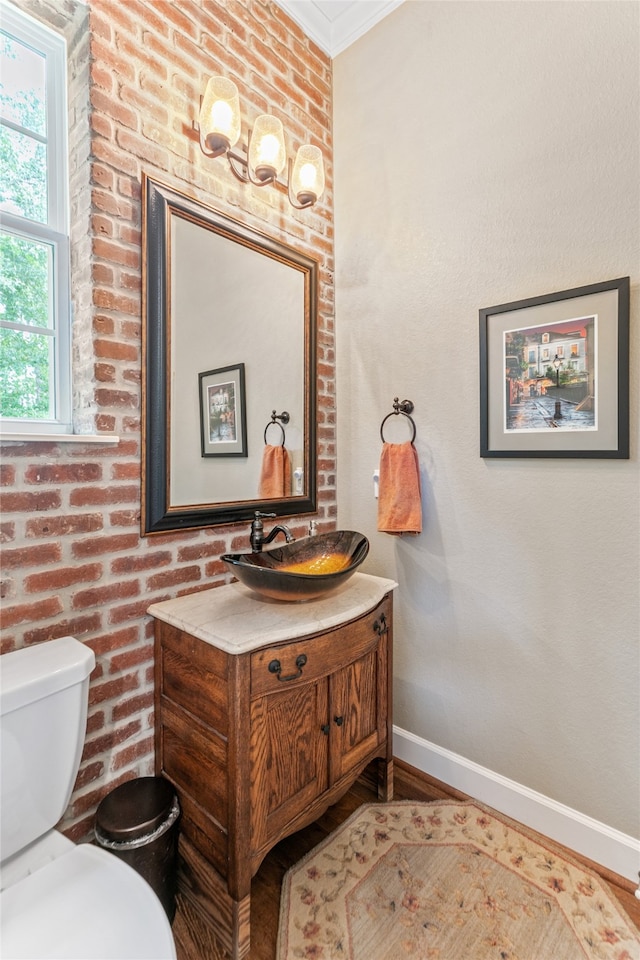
(63, 473)
(132, 611)
(89, 774)
(10, 616)
(170, 578)
(125, 471)
(108, 740)
(97, 546)
(80, 831)
(7, 532)
(95, 721)
(104, 372)
(41, 554)
(30, 502)
(105, 56)
(60, 577)
(100, 273)
(127, 708)
(105, 423)
(114, 640)
(148, 561)
(131, 658)
(113, 689)
(127, 755)
(7, 474)
(125, 518)
(108, 300)
(116, 253)
(198, 551)
(7, 644)
(97, 596)
(152, 15)
(109, 203)
(74, 627)
(215, 568)
(86, 496)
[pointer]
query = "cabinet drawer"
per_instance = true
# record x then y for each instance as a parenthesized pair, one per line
(282, 665)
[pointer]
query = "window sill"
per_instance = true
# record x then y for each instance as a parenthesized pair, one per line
(59, 437)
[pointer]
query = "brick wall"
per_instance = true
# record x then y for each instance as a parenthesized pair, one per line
(73, 561)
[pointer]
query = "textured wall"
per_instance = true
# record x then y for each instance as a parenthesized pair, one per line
(497, 158)
(73, 559)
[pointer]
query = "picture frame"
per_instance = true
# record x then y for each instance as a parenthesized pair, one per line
(223, 418)
(554, 374)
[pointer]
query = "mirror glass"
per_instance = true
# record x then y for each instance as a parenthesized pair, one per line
(229, 368)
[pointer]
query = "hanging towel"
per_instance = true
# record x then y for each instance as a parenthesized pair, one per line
(399, 504)
(275, 476)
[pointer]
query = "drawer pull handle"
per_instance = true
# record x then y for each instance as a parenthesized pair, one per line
(325, 729)
(276, 667)
(338, 721)
(380, 627)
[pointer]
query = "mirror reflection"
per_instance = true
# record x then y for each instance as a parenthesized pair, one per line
(229, 389)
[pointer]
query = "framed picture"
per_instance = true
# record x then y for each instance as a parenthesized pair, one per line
(223, 419)
(554, 374)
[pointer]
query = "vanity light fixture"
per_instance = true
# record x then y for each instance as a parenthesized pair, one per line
(266, 157)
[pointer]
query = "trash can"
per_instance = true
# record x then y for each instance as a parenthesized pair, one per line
(138, 822)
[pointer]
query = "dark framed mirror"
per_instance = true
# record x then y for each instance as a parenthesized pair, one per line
(229, 346)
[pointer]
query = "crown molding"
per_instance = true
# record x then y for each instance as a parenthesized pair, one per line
(333, 24)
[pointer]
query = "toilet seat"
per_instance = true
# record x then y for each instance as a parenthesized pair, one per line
(84, 905)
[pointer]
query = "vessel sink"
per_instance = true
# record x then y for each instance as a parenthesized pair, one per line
(302, 570)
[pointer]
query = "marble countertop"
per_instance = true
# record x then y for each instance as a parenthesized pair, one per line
(236, 620)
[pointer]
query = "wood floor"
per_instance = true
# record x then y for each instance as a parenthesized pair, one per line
(196, 943)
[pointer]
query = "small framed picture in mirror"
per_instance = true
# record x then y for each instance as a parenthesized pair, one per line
(223, 420)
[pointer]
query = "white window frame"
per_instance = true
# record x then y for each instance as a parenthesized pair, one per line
(55, 232)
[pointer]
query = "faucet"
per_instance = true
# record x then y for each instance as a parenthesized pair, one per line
(257, 536)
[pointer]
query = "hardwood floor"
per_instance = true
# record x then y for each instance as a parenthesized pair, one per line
(195, 942)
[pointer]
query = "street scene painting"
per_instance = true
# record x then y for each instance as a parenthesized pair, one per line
(554, 374)
(550, 376)
(222, 412)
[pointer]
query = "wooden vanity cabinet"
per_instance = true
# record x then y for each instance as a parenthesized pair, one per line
(259, 744)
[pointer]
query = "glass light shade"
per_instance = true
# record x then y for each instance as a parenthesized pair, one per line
(307, 177)
(220, 115)
(267, 155)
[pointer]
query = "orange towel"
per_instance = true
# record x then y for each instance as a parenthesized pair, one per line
(399, 504)
(275, 476)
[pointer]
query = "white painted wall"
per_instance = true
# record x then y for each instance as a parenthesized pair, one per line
(488, 152)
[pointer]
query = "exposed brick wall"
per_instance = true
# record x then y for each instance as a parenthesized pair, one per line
(73, 559)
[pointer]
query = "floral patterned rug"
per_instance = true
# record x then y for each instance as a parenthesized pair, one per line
(445, 881)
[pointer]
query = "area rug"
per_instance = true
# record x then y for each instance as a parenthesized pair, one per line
(445, 881)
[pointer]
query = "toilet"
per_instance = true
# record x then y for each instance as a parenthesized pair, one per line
(59, 900)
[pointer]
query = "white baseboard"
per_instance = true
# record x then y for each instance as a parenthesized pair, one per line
(612, 849)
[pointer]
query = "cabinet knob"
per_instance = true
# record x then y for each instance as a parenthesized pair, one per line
(325, 729)
(276, 667)
(338, 721)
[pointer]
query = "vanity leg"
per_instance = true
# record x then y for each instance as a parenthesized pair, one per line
(228, 920)
(385, 780)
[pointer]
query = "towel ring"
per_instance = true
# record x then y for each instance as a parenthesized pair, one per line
(283, 418)
(404, 407)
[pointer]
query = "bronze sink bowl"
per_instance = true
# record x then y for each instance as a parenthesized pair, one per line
(302, 570)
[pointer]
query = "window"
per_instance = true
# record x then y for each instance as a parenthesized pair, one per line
(35, 312)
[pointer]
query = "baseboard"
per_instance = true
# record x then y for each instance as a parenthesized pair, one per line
(612, 849)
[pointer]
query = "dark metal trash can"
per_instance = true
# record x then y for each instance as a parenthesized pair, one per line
(138, 822)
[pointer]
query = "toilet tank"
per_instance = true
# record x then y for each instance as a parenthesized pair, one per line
(43, 715)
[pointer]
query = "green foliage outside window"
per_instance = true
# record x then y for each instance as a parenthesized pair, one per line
(25, 267)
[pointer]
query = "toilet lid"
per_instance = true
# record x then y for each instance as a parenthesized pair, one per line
(85, 905)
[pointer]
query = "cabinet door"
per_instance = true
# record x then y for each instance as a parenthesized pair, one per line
(289, 756)
(358, 711)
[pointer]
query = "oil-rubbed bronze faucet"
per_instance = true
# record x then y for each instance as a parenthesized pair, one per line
(258, 538)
